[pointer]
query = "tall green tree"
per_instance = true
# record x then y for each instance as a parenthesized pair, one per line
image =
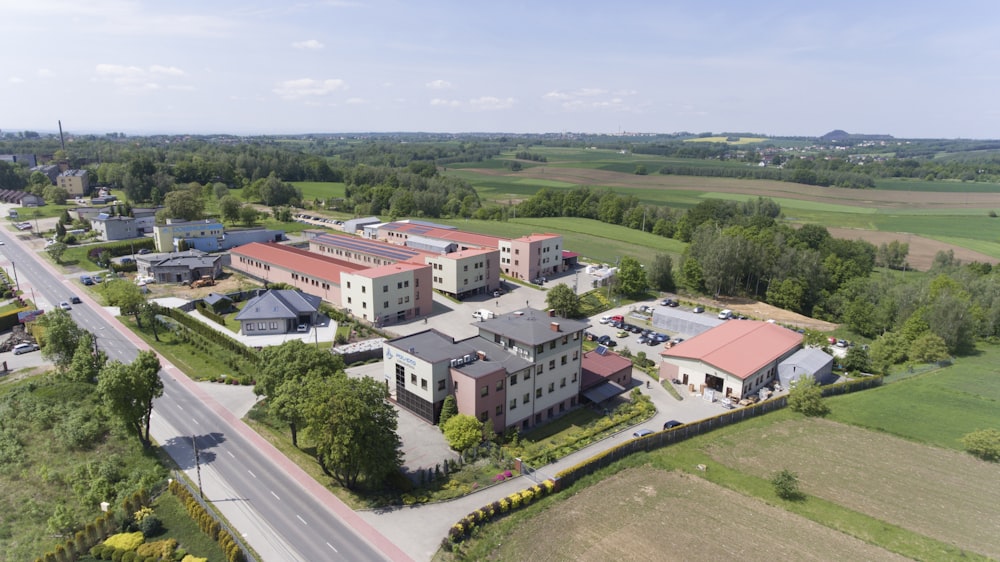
(56, 251)
(564, 301)
(449, 409)
(128, 391)
(661, 273)
(632, 279)
(290, 360)
(292, 399)
(87, 362)
(229, 208)
(355, 433)
(62, 336)
(183, 204)
(126, 296)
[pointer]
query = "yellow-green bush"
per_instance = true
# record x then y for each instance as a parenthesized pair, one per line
(125, 541)
(189, 558)
(159, 549)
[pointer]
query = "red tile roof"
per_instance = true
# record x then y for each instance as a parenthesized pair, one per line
(739, 347)
(297, 260)
(596, 368)
(462, 237)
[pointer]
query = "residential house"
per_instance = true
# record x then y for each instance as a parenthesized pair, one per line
(75, 182)
(278, 312)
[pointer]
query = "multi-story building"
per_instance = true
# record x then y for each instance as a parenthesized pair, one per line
(176, 229)
(388, 293)
(75, 182)
(532, 257)
(114, 227)
(457, 273)
(523, 369)
(467, 272)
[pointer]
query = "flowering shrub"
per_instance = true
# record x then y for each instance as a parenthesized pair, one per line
(467, 524)
(125, 541)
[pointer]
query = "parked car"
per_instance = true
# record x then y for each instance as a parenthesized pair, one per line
(605, 319)
(603, 340)
(622, 334)
(666, 302)
(672, 424)
(144, 251)
(725, 314)
(832, 341)
(610, 343)
(642, 433)
(673, 304)
(86, 280)
(698, 309)
(75, 299)
(25, 348)
(65, 305)
(302, 328)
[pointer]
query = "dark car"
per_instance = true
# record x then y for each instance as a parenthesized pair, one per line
(666, 302)
(610, 343)
(673, 303)
(74, 300)
(672, 424)
(144, 251)
(634, 329)
(603, 340)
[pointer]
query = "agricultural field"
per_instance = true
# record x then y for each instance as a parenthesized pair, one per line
(934, 492)
(650, 514)
(740, 140)
(934, 216)
(320, 189)
(595, 241)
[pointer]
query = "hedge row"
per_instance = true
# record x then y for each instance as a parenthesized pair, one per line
(464, 527)
(207, 312)
(120, 248)
(210, 334)
(208, 523)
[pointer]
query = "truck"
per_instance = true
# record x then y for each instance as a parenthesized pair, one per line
(205, 281)
(483, 314)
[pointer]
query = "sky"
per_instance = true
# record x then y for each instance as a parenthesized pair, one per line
(914, 69)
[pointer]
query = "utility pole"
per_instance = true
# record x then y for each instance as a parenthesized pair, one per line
(197, 464)
(16, 284)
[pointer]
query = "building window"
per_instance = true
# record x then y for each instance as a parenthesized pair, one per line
(385, 288)
(574, 378)
(526, 399)
(552, 387)
(413, 379)
(348, 300)
(364, 289)
(527, 374)
(499, 409)
(565, 340)
(538, 393)
(499, 385)
(540, 369)
(385, 304)
(274, 325)
(441, 384)
(562, 383)
(576, 355)
(552, 344)
(485, 390)
(552, 364)
(423, 384)
(513, 404)
(513, 380)
(249, 326)
(576, 336)
(563, 361)
(483, 416)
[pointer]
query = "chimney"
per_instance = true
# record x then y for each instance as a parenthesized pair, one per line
(554, 326)
(552, 312)
(481, 355)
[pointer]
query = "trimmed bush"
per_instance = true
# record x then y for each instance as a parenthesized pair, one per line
(125, 541)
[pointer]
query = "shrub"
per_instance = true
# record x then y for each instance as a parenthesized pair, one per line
(189, 558)
(125, 541)
(984, 443)
(164, 549)
(150, 525)
(786, 485)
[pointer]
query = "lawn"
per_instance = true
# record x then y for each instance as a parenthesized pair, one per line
(178, 525)
(196, 363)
(320, 189)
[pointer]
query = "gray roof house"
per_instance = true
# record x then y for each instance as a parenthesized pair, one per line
(180, 267)
(278, 311)
(113, 227)
(218, 303)
(810, 361)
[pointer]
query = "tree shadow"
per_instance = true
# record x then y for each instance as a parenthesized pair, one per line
(181, 449)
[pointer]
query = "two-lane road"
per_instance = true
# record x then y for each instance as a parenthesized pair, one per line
(278, 509)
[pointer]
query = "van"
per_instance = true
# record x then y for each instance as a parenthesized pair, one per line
(725, 314)
(483, 314)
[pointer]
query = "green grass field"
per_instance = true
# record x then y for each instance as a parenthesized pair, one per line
(937, 408)
(320, 189)
(594, 240)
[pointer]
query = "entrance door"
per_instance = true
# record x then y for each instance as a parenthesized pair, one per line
(685, 380)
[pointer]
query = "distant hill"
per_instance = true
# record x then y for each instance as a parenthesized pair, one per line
(838, 135)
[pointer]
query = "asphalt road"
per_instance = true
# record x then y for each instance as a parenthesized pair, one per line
(278, 509)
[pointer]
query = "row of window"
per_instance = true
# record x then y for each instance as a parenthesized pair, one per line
(255, 263)
(248, 326)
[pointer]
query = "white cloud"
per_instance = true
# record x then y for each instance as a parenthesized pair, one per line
(588, 99)
(491, 103)
(439, 85)
(308, 87)
(15, 80)
(445, 103)
(45, 73)
(311, 44)
(356, 101)
(136, 79)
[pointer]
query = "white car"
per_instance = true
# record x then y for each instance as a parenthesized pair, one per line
(65, 305)
(25, 348)
(605, 319)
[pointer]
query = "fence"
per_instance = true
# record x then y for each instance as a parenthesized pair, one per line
(223, 524)
(661, 439)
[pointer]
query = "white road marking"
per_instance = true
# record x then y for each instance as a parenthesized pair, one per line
(252, 474)
(234, 456)
(301, 519)
(334, 549)
(275, 495)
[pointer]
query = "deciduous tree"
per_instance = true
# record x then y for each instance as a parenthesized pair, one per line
(661, 273)
(128, 391)
(632, 279)
(463, 431)
(62, 336)
(806, 398)
(564, 301)
(355, 433)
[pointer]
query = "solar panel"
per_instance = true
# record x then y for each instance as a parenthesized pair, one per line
(602, 350)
